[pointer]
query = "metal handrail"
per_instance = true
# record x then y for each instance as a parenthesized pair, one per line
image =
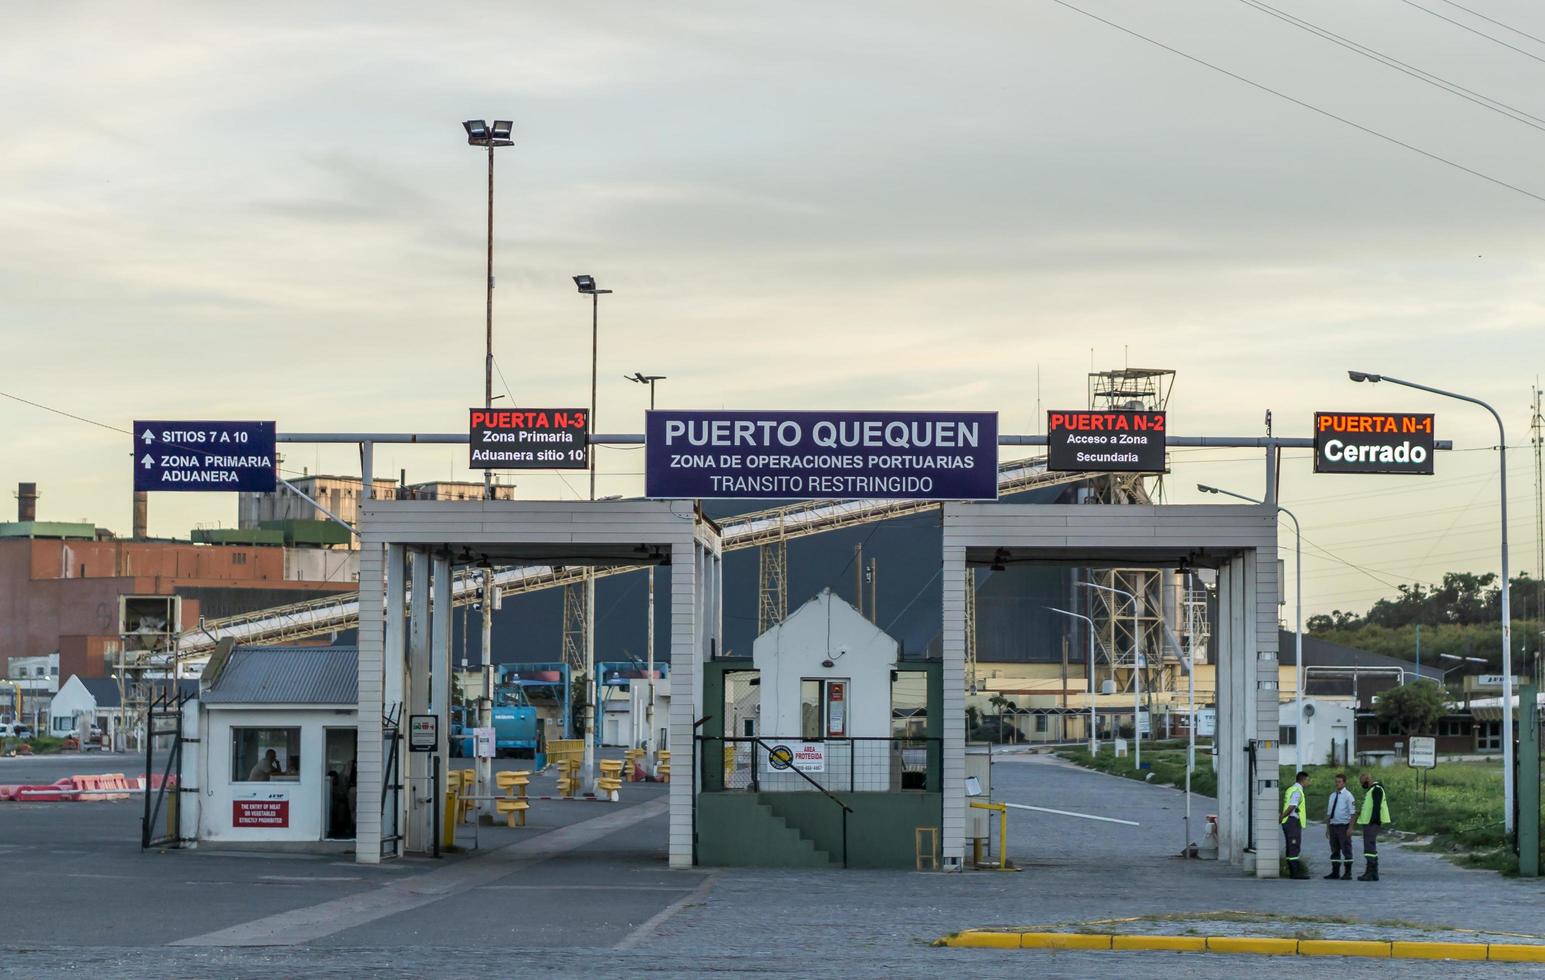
(824, 792)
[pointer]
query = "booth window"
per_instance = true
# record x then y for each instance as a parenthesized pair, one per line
(261, 755)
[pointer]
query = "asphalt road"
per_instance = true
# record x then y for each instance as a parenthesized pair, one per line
(585, 889)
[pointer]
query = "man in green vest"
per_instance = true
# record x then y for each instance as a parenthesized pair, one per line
(1294, 816)
(1373, 816)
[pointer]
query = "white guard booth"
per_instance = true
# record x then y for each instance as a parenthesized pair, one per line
(1239, 541)
(410, 550)
(277, 738)
(826, 675)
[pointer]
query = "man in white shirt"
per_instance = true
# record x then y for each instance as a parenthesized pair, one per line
(1340, 809)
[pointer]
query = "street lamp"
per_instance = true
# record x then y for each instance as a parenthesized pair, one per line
(649, 379)
(1094, 735)
(1443, 679)
(1298, 615)
(1507, 591)
(645, 379)
(479, 133)
(1137, 670)
(587, 287)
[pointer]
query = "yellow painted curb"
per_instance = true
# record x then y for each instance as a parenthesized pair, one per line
(1246, 944)
(1171, 944)
(982, 939)
(1250, 945)
(1063, 940)
(1437, 951)
(1342, 947)
(1515, 953)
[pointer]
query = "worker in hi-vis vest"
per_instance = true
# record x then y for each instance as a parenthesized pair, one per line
(1294, 816)
(1373, 816)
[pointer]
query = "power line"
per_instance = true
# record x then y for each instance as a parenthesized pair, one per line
(60, 411)
(1307, 105)
(1477, 13)
(1420, 74)
(1466, 27)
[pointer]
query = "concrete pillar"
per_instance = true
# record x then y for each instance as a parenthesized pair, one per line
(956, 577)
(417, 702)
(1265, 705)
(441, 621)
(1227, 733)
(368, 761)
(686, 696)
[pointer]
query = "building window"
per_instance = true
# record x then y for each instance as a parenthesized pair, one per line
(1287, 734)
(63, 725)
(238, 558)
(260, 755)
(1040, 723)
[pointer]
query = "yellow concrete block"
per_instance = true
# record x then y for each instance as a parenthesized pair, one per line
(1342, 947)
(1516, 953)
(984, 939)
(1062, 940)
(1437, 951)
(1172, 944)
(1259, 945)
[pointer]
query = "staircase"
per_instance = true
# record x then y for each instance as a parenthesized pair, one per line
(741, 829)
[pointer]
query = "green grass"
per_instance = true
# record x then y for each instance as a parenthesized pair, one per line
(1461, 812)
(41, 745)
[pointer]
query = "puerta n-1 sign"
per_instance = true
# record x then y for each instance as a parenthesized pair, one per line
(529, 438)
(1114, 441)
(843, 455)
(1373, 442)
(235, 456)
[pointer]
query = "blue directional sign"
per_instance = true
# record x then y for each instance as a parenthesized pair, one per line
(232, 456)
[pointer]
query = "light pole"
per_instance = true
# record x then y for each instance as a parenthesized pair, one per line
(1507, 611)
(479, 133)
(1137, 670)
(587, 287)
(649, 379)
(1298, 615)
(1094, 735)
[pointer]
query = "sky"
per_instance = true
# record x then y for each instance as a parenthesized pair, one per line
(270, 212)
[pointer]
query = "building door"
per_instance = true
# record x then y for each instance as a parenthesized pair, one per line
(338, 792)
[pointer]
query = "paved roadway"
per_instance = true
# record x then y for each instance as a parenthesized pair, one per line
(585, 889)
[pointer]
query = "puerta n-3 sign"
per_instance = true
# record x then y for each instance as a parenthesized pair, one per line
(1373, 442)
(1116, 440)
(529, 438)
(756, 454)
(204, 456)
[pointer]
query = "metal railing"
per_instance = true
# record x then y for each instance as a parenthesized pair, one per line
(767, 764)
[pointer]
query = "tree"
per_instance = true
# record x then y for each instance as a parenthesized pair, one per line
(1413, 709)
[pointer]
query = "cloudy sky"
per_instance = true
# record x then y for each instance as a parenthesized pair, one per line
(270, 211)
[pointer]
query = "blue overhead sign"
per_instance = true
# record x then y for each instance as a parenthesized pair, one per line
(842, 455)
(235, 456)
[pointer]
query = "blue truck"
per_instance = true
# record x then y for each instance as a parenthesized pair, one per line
(517, 731)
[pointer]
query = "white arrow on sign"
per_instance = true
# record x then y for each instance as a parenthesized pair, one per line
(148, 437)
(148, 461)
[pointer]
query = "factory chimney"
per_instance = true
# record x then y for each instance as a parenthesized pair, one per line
(141, 515)
(26, 502)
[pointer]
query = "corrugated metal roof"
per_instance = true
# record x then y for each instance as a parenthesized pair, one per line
(287, 675)
(104, 690)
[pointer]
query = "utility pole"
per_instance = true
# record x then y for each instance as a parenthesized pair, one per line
(858, 578)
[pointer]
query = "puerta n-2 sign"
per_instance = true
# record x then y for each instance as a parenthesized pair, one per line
(849, 455)
(529, 438)
(204, 456)
(1373, 442)
(1116, 440)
